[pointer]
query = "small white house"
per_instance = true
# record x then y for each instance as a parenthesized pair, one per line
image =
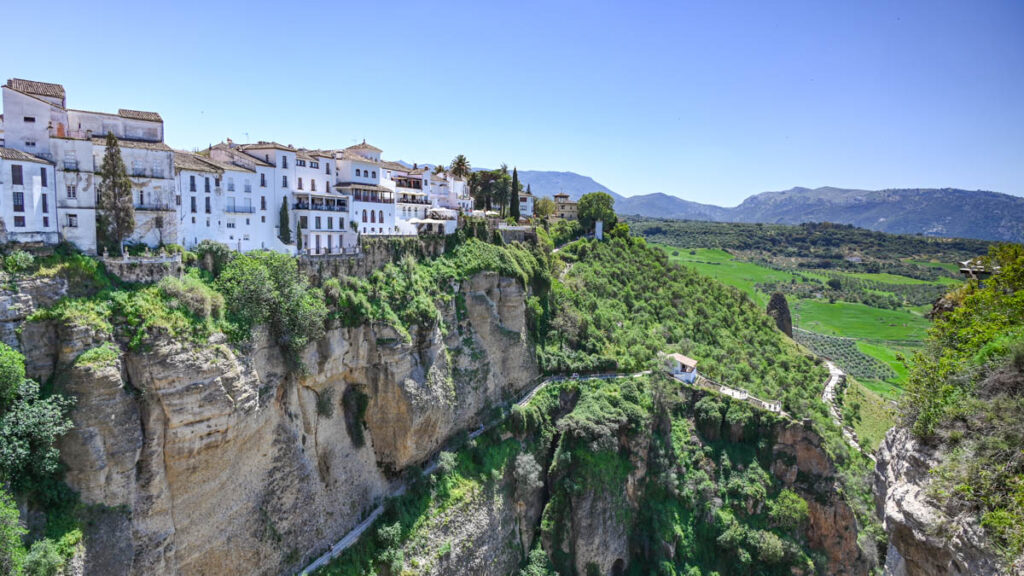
(682, 367)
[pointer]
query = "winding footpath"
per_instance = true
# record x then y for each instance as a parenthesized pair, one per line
(828, 396)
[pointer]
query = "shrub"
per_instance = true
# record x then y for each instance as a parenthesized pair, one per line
(18, 261)
(12, 373)
(213, 256)
(200, 299)
(11, 531)
(43, 559)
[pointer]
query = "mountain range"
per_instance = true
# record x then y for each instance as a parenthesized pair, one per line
(948, 212)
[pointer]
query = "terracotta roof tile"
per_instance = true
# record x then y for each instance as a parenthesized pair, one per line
(36, 88)
(139, 115)
(18, 155)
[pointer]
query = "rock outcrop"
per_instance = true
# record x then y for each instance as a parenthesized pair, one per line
(223, 462)
(924, 539)
(778, 309)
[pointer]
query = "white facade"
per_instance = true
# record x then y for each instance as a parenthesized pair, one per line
(27, 210)
(371, 197)
(525, 205)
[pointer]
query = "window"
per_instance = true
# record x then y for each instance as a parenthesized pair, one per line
(42, 176)
(381, 216)
(263, 202)
(30, 120)
(374, 174)
(263, 219)
(263, 180)
(71, 190)
(30, 143)
(359, 172)
(231, 224)
(317, 222)
(327, 168)
(231, 184)
(72, 220)
(17, 179)
(46, 221)
(284, 181)
(142, 198)
(177, 199)
(248, 186)
(192, 183)
(364, 215)
(19, 201)
(312, 185)
(46, 205)
(284, 161)
(216, 182)
(19, 221)
(207, 207)
(207, 184)
(300, 184)
(300, 162)
(330, 222)
(193, 199)
(373, 217)
(314, 164)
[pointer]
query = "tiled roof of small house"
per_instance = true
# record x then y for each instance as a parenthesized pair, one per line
(36, 88)
(396, 166)
(18, 155)
(102, 141)
(684, 360)
(227, 166)
(346, 155)
(139, 115)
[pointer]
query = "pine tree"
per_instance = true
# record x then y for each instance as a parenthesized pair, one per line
(115, 208)
(513, 201)
(284, 226)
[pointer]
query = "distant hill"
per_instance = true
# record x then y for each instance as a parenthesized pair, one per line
(543, 183)
(946, 212)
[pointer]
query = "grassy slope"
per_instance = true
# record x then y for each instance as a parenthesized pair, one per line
(855, 320)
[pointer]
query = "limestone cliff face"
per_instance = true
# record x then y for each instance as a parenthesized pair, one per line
(224, 463)
(923, 537)
(801, 463)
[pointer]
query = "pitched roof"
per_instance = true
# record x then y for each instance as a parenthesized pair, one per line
(102, 141)
(36, 88)
(139, 115)
(12, 154)
(266, 146)
(188, 161)
(228, 166)
(364, 146)
(346, 155)
(390, 165)
(684, 360)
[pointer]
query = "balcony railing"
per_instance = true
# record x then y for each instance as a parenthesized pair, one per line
(424, 202)
(240, 209)
(154, 207)
(71, 165)
(319, 207)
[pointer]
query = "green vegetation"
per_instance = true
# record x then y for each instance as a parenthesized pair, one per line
(621, 302)
(869, 413)
(597, 206)
(964, 392)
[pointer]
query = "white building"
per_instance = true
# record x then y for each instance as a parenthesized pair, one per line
(258, 183)
(38, 122)
(321, 211)
(27, 210)
(526, 204)
(371, 199)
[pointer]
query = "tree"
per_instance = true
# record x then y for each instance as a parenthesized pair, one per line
(298, 235)
(543, 207)
(284, 225)
(439, 169)
(597, 206)
(460, 167)
(513, 207)
(116, 211)
(11, 549)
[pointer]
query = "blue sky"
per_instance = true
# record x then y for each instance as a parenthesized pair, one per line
(710, 101)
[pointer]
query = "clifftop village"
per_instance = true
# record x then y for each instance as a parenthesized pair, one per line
(233, 193)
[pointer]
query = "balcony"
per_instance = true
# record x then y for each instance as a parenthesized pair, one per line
(422, 201)
(71, 165)
(154, 207)
(319, 207)
(240, 209)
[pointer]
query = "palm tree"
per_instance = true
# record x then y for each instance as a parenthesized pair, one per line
(439, 169)
(460, 167)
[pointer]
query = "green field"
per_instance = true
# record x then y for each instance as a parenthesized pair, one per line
(854, 320)
(887, 354)
(720, 265)
(869, 414)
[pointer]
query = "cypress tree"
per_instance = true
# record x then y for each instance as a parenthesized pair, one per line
(284, 227)
(298, 235)
(116, 211)
(513, 201)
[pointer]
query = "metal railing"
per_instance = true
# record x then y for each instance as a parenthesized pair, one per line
(318, 207)
(240, 209)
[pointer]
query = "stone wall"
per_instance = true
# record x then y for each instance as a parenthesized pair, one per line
(374, 254)
(144, 269)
